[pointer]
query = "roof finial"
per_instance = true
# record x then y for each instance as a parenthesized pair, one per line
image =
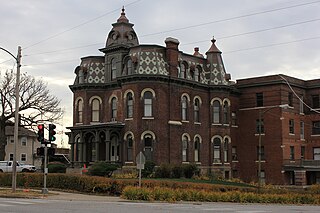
(123, 13)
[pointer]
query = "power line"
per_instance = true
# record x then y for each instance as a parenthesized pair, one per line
(256, 31)
(62, 50)
(231, 18)
(56, 62)
(271, 45)
(79, 25)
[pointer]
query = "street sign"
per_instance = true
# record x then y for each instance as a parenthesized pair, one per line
(140, 159)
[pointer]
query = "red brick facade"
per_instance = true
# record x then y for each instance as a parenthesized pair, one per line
(178, 108)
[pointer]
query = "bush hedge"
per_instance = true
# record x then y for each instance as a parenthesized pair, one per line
(172, 195)
(159, 189)
(102, 168)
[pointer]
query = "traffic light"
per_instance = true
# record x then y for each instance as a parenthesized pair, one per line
(41, 133)
(40, 151)
(52, 132)
(51, 151)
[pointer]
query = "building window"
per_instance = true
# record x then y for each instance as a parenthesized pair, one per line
(216, 112)
(234, 119)
(113, 108)
(148, 147)
(303, 152)
(301, 105)
(196, 110)
(147, 96)
(95, 106)
(11, 157)
(197, 74)
(182, 70)
(315, 102)
(291, 126)
(113, 69)
(291, 153)
(23, 157)
(259, 126)
(290, 99)
(129, 148)
(225, 112)
(225, 150)
(315, 127)
(216, 150)
(197, 149)
(23, 141)
(129, 105)
(184, 108)
(301, 130)
(234, 153)
(79, 111)
(263, 157)
(259, 99)
(184, 148)
(316, 153)
(129, 67)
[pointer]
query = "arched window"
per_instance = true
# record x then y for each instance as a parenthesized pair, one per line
(129, 148)
(148, 146)
(197, 74)
(129, 67)
(113, 107)
(129, 105)
(79, 111)
(182, 70)
(147, 96)
(184, 108)
(184, 149)
(216, 150)
(113, 69)
(225, 150)
(196, 110)
(197, 149)
(216, 112)
(225, 112)
(95, 108)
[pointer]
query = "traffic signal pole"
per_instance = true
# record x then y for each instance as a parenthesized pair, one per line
(45, 171)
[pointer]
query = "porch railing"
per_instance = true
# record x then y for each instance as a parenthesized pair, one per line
(302, 163)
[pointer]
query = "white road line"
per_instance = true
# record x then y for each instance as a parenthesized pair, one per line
(17, 202)
(5, 205)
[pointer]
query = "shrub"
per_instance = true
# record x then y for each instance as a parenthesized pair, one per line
(177, 171)
(57, 168)
(189, 170)
(148, 169)
(163, 171)
(102, 168)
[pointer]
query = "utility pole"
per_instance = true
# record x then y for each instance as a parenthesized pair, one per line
(16, 123)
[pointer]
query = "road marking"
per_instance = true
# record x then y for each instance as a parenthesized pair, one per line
(18, 202)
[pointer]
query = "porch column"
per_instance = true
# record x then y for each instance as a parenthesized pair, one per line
(72, 143)
(107, 145)
(84, 152)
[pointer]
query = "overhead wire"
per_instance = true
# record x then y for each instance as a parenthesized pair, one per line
(77, 26)
(231, 18)
(292, 90)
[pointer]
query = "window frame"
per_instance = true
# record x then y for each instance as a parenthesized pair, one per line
(216, 109)
(95, 112)
(129, 100)
(185, 146)
(147, 103)
(114, 107)
(291, 126)
(316, 127)
(259, 99)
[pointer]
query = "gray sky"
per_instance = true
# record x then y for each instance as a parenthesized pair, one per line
(256, 37)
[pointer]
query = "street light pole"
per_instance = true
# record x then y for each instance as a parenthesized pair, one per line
(16, 118)
(261, 113)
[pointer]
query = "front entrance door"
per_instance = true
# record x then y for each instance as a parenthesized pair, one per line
(114, 149)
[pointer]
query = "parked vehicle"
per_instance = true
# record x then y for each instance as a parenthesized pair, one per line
(6, 166)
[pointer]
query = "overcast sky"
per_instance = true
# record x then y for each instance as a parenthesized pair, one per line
(256, 37)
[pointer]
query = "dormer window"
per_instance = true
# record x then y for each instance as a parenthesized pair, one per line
(129, 67)
(113, 69)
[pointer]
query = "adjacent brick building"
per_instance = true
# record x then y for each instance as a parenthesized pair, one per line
(181, 108)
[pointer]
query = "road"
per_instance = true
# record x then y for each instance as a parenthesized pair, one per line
(79, 206)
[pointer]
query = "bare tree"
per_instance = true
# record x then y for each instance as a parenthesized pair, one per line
(36, 103)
